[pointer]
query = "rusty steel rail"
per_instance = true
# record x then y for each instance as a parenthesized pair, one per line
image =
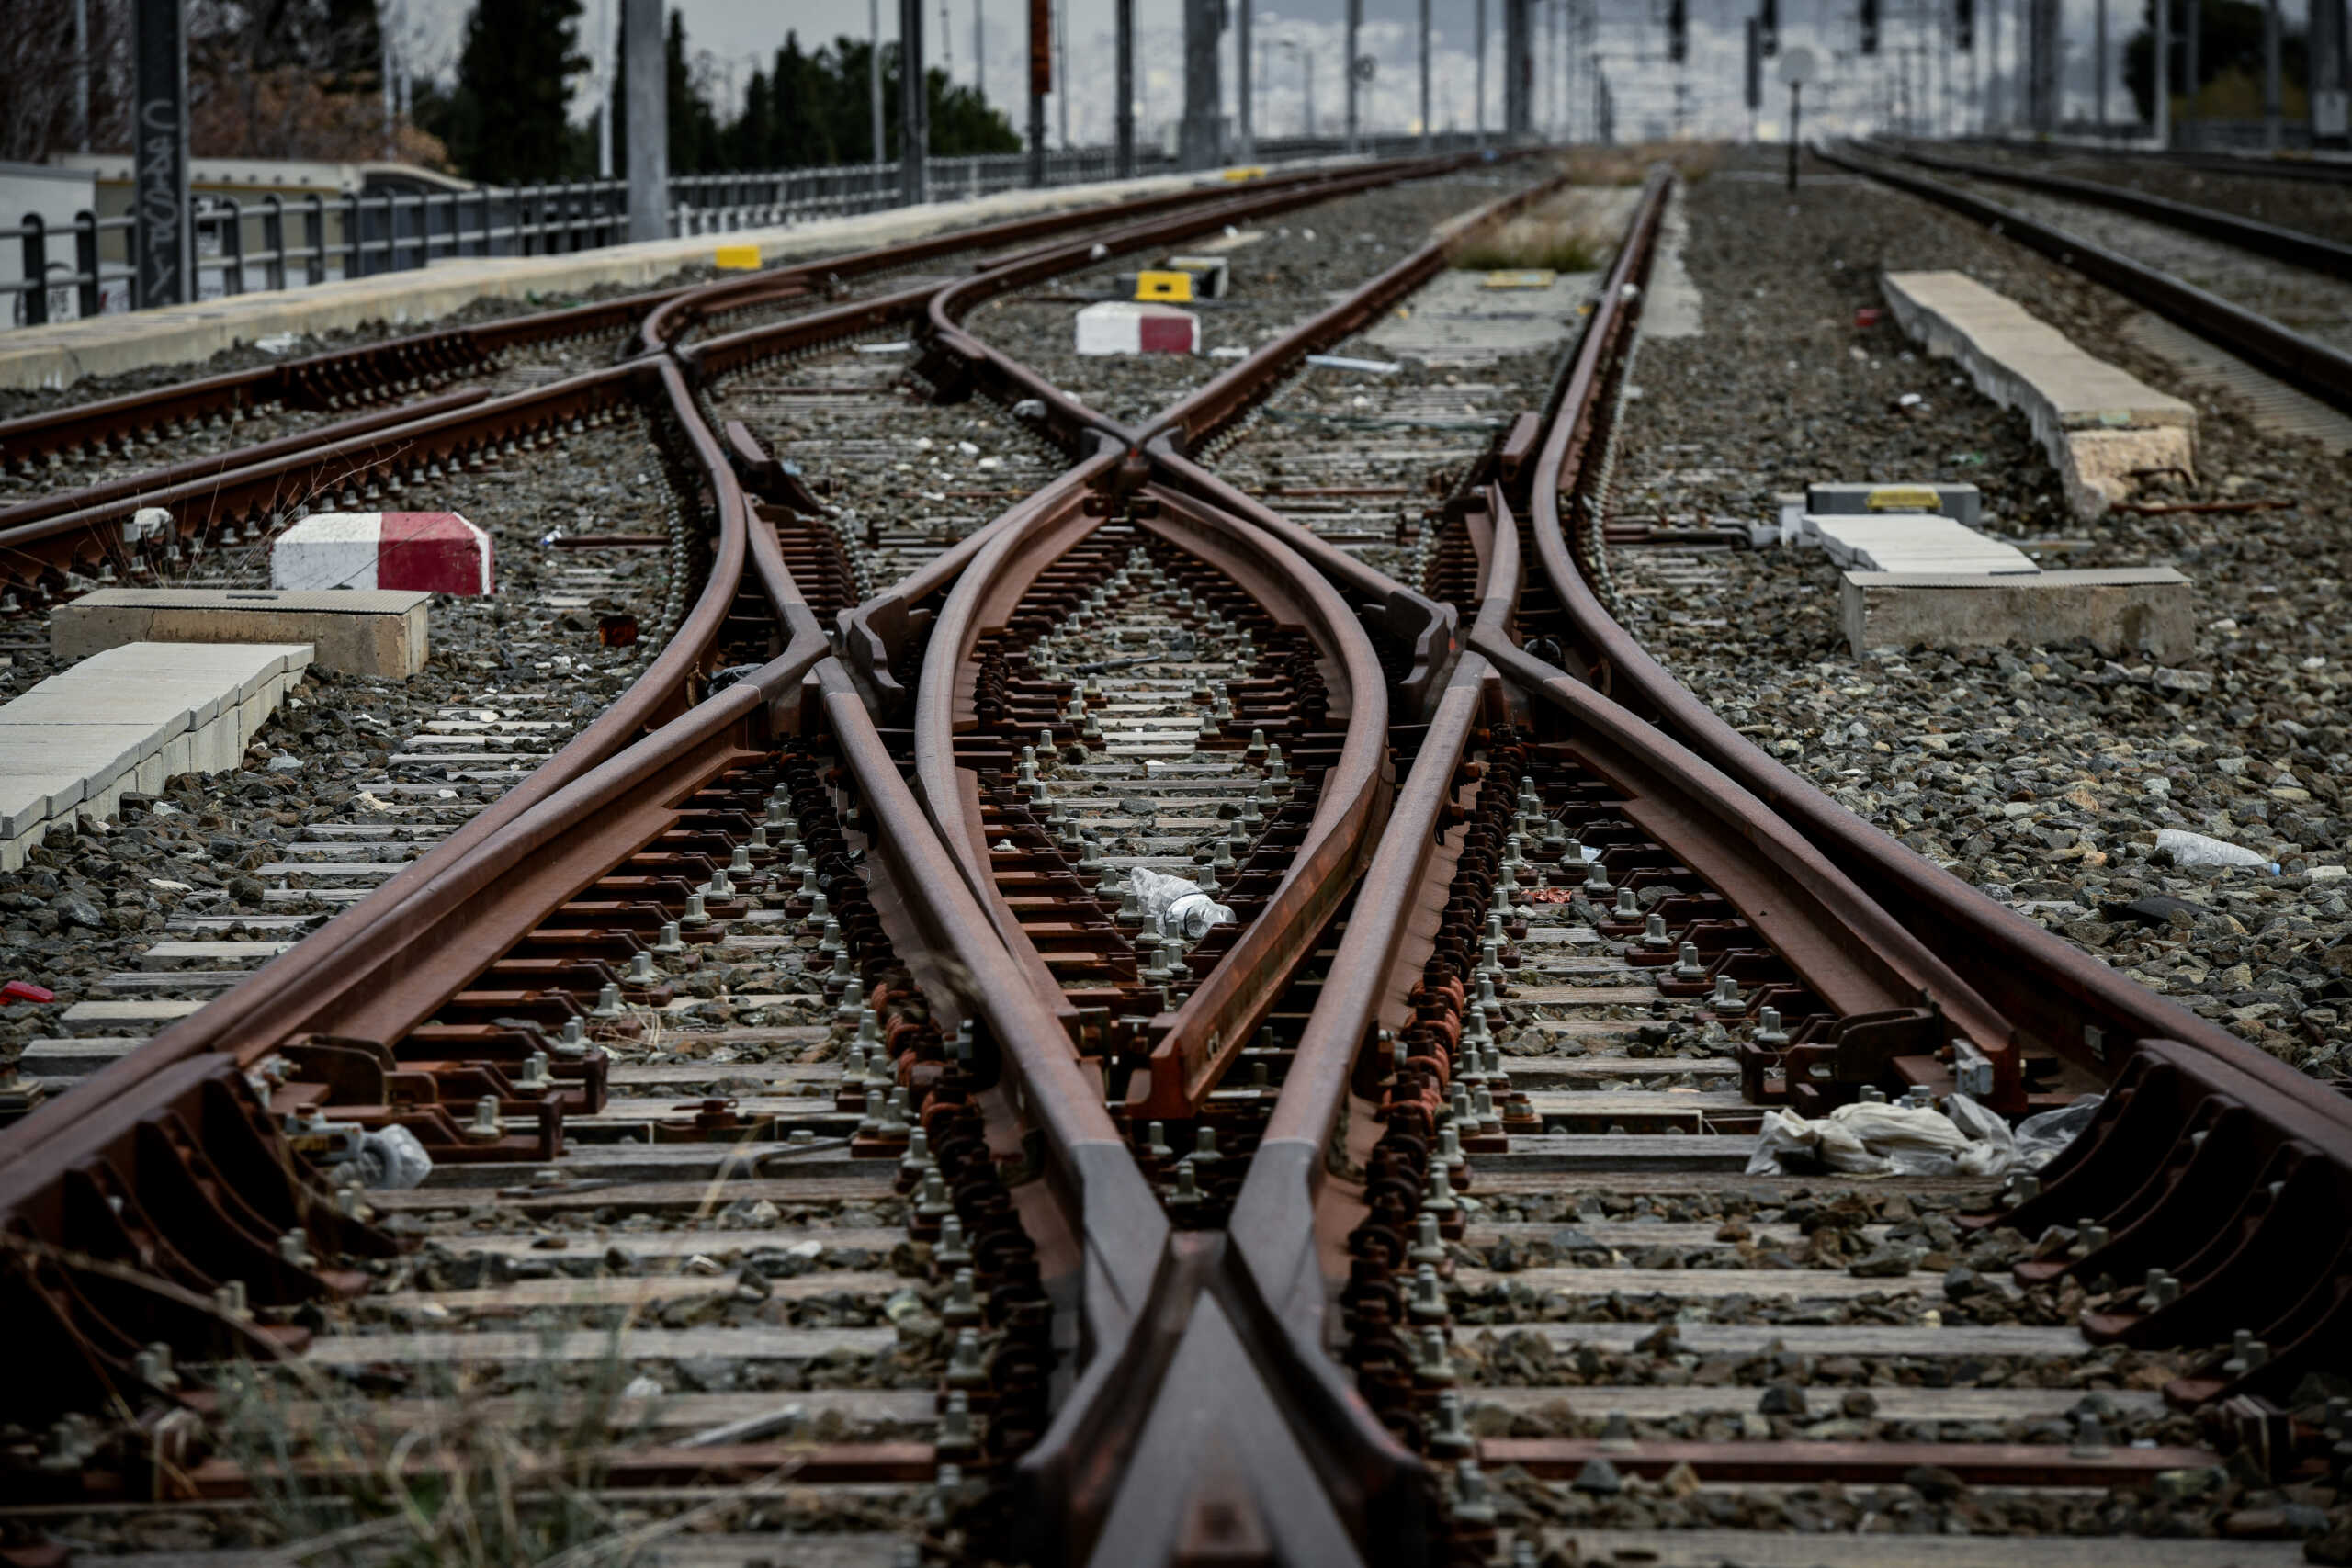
(1191, 1050)
(2054, 997)
(134, 490)
(2303, 362)
(337, 378)
(39, 555)
(1204, 414)
(2273, 242)
(2229, 1227)
(201, 1187)
(668, 324)
(959, 363)
(2255, 166)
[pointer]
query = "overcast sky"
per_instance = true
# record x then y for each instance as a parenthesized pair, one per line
(733, 34)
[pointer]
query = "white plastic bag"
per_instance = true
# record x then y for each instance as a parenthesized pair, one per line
(2039, 1137)
(1875, 1138)
(391, 1160)
(2194, 848)
(1172, 904)
(1992, 1147)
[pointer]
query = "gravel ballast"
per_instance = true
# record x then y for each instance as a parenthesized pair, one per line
(2042, 775)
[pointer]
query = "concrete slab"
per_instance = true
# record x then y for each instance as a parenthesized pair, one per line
(369, 632)
(60, 354)
(2099, 422)
(129, 718)
(1912, 542)
(2131, 609)
(1456, 321)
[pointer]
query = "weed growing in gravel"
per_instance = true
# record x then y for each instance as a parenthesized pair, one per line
(454, 1480)
(1532, 242)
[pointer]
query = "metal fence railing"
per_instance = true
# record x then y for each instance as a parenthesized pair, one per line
(86, 268)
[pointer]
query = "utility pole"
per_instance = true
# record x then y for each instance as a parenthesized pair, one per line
(2193, 75)
(2163, 73)
(81, 75)
(1202, 95)
(2326, 73)
(873, 76)
(1515, 72)
(980, 54)
(1426, 132)
(1248, 147)
(1124, 12)
(159, 171)
(2273, 107)
(649, 121)
(914, 109)
(603, 92)
(1355, 22)
(1994, 105)
(2099, 46)
(1041, 82)
(387, 41)
(1061, 68)
(1480, 113)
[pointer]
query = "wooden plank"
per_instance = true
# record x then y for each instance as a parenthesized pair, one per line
(668, 1246)
(651, 1162)
(1529, 1072)
(1683, 1183)
(2055, 1344)
(1568, 1152)
(1630, 1234)
(1637, 1102)
(764, 1344)
(1629, 994)
(1713, 1549)
(1649, 1401)
(622, 1290)
(1714, 1284)
(644, 1075)
(646, 1196)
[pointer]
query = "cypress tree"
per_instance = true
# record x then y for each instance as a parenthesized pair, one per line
(507, 116)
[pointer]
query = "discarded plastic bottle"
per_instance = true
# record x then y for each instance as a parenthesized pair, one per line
(2196, 849)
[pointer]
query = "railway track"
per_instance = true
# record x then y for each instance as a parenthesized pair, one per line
(1398, 1210)
(2225, 285)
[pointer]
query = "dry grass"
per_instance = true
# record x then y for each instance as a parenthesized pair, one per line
(1570, 232)
(457, 1492)
(1630, 165)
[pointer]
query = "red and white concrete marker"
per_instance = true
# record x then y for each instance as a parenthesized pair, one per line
(1120, 326)
(439, 552)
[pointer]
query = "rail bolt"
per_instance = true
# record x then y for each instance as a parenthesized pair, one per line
(1427, 1304)
(1432, 1364)
(1186, 1197)
(962, 1308)
(952, 1250)
(1451, 1439)
(1427, 1247)
(1686, 965)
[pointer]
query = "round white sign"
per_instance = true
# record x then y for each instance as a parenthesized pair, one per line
(1796, 66)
